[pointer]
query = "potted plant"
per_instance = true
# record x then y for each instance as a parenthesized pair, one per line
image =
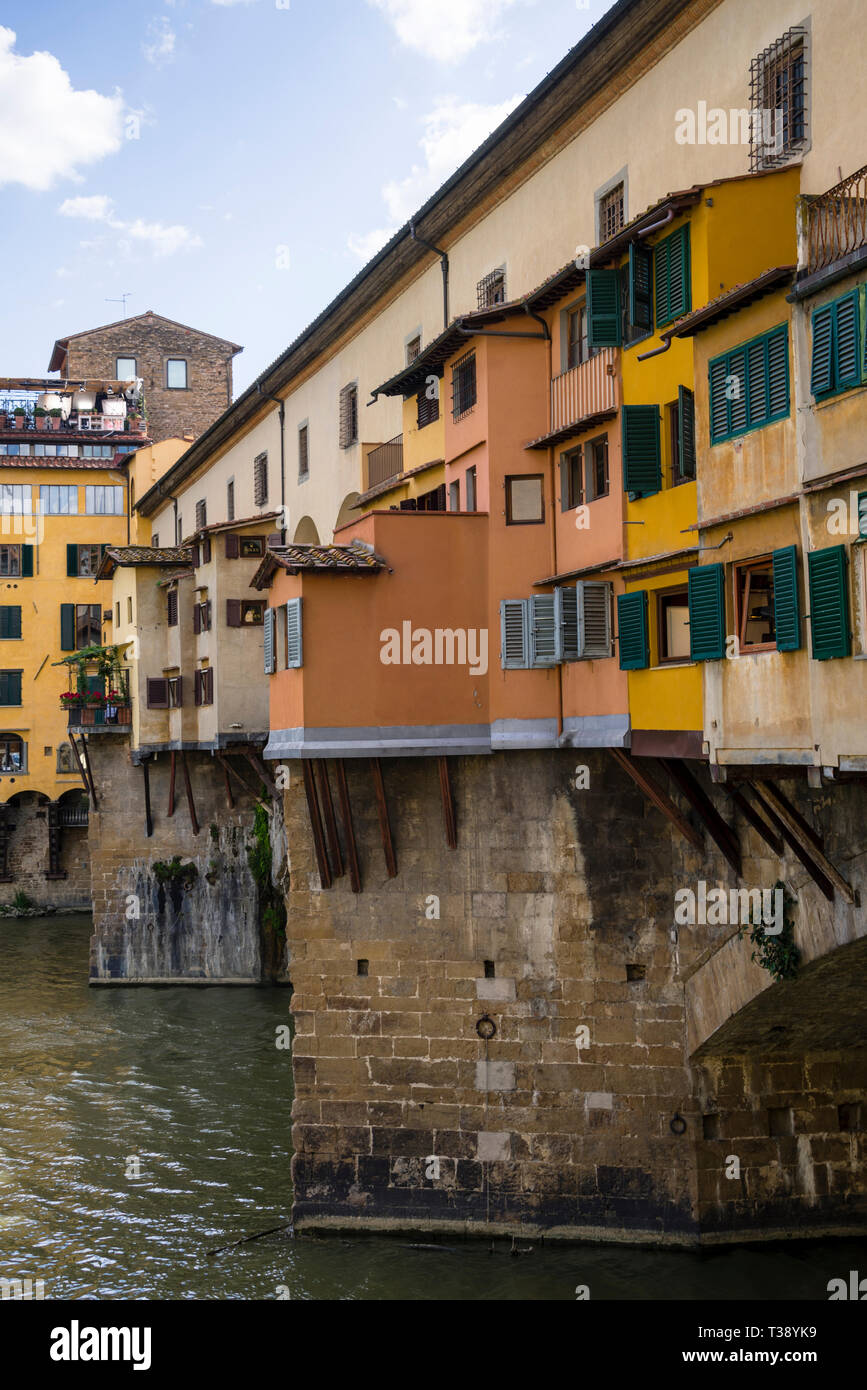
(41, 418)
(70, 698)
(54, 416)
(136, 423)
(20, 417)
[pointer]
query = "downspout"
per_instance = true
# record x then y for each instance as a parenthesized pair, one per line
(552, 474)
(282, 412)
(444, 263)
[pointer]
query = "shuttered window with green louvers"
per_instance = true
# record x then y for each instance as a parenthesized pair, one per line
(603, 308)
(640, 286)
(10, 621)
(787, 607)
(829, 603)
(671, 277)
(642, 466)
(685, 433)
(749, 386)
(837, 346)
(707, 637)
(632, 631)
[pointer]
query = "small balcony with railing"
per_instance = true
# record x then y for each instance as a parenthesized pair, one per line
(385, 462)
(582, 397)
(836, 223)
(98, 700)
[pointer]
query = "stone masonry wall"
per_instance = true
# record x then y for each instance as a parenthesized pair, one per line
(27, 859)
(555, 915)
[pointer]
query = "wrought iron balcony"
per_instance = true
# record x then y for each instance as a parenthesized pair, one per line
(837, 221)
(385, 462)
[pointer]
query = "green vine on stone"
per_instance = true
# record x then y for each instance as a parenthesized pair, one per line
(778, 954)
(173, 871)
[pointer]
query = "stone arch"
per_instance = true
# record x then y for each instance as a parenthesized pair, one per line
(306, 533)
(348, 510)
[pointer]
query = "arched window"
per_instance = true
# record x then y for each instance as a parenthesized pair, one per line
(12, 753)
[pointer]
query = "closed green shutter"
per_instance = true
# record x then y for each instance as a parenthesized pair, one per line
(603, 308)
(686, 431)
(632, 630)
(72, 561)
(27, 561)
(67, 627)
(10, 687)
(757, 383)
(778, 373)
(640, 286)
(707, 638)
(749, 387)
(736, 392)
(671, 273)
(294, 647)
(848, 368)
(822, 368)
(642, 469)
(719, 407)
(829, 602)
(787, 608)
(10, 621)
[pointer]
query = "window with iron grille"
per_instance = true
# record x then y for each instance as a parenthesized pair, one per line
(172, 607)
(429, 403)
(349, 415)
(778, 101)
(491, 289)
(260, 480)
(612, 212)
(413, 348)
(230, 500)
(201, 515)
(303, 452)
(464, 385)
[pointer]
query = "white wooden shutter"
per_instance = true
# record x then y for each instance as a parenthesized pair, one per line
(594, 618)
(269, 642)
(546, 643)
(294, 650)
(514, 641)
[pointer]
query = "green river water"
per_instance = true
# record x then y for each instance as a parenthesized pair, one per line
(190, 1083)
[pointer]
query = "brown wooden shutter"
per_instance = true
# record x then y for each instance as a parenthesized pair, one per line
(180, 691)
(233, 612)
(197, 557)
(233, 549)
(208, 616)
(157, 692)
(209, 684)
(197, 618)
(197, 687)
(206, 550)
(172, 607)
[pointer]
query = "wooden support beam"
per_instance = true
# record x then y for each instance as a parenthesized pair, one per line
(778, 797)
(230, 800)
(720, 832)
(384, 827)
(149, 822)
(348, 828)
(448, 803)
(172, 770)
(80, 764)
(261, 771)
(825, 886)
(316, 824)
(807, 841)
(751, 815)
(660, 799)
(328, 812)
(242, 782)
(189, 790)
(89, 771)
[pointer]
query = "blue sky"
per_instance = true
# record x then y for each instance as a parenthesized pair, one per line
(233, 163)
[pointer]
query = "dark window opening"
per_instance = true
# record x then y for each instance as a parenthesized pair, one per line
(490, 970)
(754, 605)
(672, 625)
(363, 967)
(464, 385)
(525, 503)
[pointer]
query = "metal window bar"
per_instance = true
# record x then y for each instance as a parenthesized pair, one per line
(491, 289)
(611, 212)
(464, 385)
(837, 221)
(778, 101)
(385, 462)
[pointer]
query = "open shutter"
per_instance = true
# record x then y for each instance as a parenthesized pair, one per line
(233, 548)
(679, 296)
(707, 638)
(787, 611)
(686, 431)
(660, 282)
(72, 562)
(545, 638)
(603, 308)
(640, 286)
(847, 342)
(269, 641)
(197, 687)
(778, 373)
(27, 561)
(564, 482)
(67, 627)
(294, 647)
(157, 692)
(642, 471)
(179, 692)
(197, 618)
(632, 630)
(514, 640)
(208, 616)
(829, 602)
(209, 686)
(594, 618)
(821, 371)
(233, 612)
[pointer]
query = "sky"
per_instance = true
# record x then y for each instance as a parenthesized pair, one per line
(233, 163)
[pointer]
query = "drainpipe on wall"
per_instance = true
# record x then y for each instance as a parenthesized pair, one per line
(552, 474)
(444, 263)
(282, 412)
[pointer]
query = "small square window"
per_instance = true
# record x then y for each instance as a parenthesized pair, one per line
(176, 374)
(525, 505)
(413, 349)
(612, 212)
(754, 604)
(491, 289)
(125, 368)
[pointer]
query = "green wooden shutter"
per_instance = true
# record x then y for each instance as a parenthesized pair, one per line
(632, 630)
(686, 431)
(514, 638)
(737, 399)
(679, 296)
(67, 627)
(294, 647)
(10, 687)
(719, 406)
(545, 638)
(829, 602)
(10, 621)
(640, 286)
(603, 308)
(27, 561)
(661, 282)
(778, 373)
(642, 469)
(787, 608)
(822, 368)
(707, 638)
(72, 561)
(757, 382)
(847, 366)
(269, 641)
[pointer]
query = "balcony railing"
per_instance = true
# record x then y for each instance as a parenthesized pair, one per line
(589, 389)
(837, 222)
(384, 462)
(74, 815)
(104, 705)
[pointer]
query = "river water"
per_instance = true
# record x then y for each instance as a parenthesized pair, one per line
(141, 1128)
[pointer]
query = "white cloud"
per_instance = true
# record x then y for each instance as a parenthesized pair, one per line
(367, 245)
(94, 209)
(160, 47)
(446, 31)
(225, 3)
(47, 128)
(163, 240)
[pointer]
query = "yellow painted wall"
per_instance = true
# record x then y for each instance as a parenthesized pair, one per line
(664, 696)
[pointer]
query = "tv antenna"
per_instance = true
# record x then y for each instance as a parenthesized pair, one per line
(122, 300)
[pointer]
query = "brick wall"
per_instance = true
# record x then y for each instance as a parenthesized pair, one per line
(27, 859)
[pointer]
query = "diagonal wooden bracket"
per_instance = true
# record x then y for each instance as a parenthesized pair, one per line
(448, 804)
(660, 799)
(804, 840)
(752, 817)
(316, 823)
(348, 828)
(720, 832)
(384, 826)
